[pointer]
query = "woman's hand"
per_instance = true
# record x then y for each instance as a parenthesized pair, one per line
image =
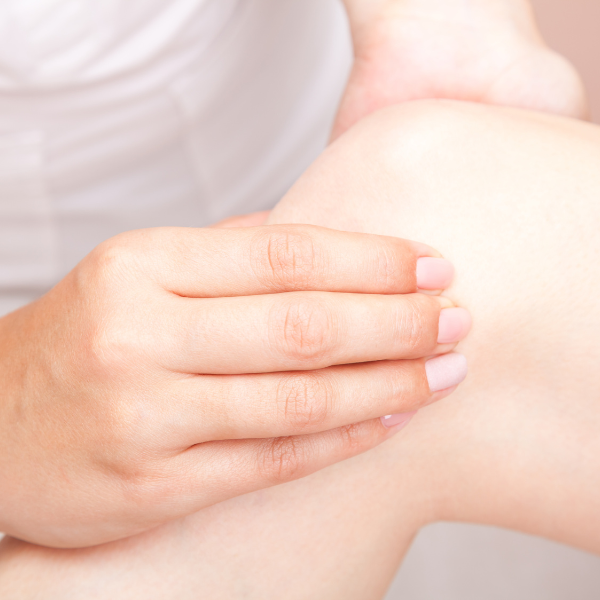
(175, 368)
(486, 51)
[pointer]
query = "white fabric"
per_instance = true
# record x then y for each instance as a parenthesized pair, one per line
(124, 114)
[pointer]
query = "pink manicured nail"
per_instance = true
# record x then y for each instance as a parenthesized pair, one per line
(454, 325)
(399, 420)
(434, 273)
(446, 371)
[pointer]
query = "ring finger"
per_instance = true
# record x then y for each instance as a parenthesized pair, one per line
(221, 407)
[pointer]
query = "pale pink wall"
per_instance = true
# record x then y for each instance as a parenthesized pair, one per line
(573, 28)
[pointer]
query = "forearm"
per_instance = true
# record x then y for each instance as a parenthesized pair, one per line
(362, 13)
(485, 51)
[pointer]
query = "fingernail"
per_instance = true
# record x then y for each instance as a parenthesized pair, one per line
(398, 421)
(446, 371)
(454, 325)
(434, 273)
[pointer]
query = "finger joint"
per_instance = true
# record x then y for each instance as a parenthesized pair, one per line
(304, 401)
(304, 330)
(288, 259)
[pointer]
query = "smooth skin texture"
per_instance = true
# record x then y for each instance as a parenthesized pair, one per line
(515, 206)
(487, 51)
(176, 368)
(299, 540)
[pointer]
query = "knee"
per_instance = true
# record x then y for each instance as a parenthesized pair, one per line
(411, 138)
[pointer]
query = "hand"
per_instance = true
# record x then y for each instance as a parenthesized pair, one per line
(175, 368)
(487, 51)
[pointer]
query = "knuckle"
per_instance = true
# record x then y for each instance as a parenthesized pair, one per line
(353, 439)
(407, 382)
(102, 295)
(113, 348)
(148, 485)
(118, 435)
(414, 325)
(114, 260)
(126, 429)
(304, 401)
(391, 270)
(282, 459)
(126, 418)
(288, 257)
(304, 329)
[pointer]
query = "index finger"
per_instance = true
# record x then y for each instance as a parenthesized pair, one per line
(211, 263)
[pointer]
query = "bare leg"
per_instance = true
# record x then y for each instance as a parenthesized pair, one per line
(511, 198)
(309, 539)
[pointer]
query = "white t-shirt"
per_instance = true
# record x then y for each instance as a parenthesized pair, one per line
(124, 114)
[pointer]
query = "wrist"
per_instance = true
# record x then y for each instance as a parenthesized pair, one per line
(363, 14)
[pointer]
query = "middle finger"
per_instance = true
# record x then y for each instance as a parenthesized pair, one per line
(305, 331)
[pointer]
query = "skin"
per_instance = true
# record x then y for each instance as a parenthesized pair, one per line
(383, 497)
(521, 438)
(123, 414)
(517, 444)
(487, 51)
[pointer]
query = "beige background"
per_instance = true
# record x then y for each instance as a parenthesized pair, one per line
(573, 28)
(467, 562)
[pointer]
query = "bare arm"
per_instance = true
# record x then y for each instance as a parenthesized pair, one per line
(488, 51)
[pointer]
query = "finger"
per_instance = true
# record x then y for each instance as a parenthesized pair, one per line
(279, 258)
(250, 220)
(303, 331)
(215, 471)
(222, 407)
